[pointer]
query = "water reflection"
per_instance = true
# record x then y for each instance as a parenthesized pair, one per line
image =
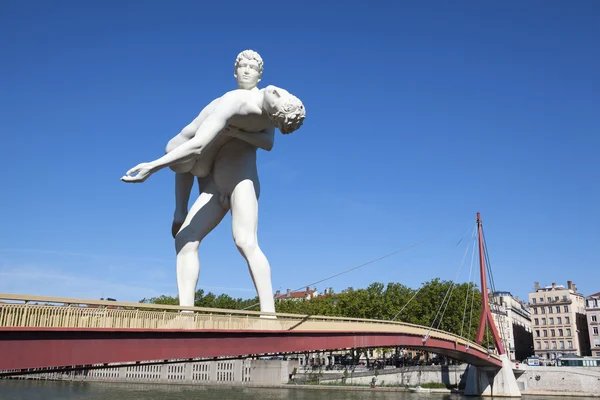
(47, 390)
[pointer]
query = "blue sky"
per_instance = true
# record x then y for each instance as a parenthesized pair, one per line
(419, 114)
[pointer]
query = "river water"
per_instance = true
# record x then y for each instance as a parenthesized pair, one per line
(64, 390)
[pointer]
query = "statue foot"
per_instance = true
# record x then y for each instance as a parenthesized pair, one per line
(175, 227)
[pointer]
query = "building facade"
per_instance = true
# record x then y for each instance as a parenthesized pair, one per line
(513, 320)
(557, 314)
(306, 294)
(592, 311)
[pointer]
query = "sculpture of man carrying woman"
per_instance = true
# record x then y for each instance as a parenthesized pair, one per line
(219, 148)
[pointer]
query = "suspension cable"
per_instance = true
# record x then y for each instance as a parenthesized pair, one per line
(443, 259)
(493, 287)
(487, 261)
(472, 306)
(468, 291)
(454, 282)
(358, 266)
(444, 305)
(451, 290)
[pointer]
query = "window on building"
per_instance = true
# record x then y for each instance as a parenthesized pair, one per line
(557, 309)
(550, 310)
(554, 344)
(561, 344)
(552, 332)
(559, 320)
(538, 345)
(536, 321)
(569, 344)
(564, 298)
(546, 345)
(594, 318)
(568, 331)
(555, 298)
(534, 300)
(537, 333)
(535, 311)
(551, 321)
(543, 321)
(596, 342)
(566, 308)
(541, 299)
(543, 310)
(595, 330)
(549, 299)
(567, 320)
(545, 332)
(560, 332)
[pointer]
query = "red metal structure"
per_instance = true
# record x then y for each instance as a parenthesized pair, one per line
(22, 348)
(486, 313)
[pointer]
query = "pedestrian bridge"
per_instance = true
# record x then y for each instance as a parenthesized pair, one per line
(49, 332)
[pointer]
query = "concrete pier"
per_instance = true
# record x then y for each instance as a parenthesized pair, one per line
(486, 381)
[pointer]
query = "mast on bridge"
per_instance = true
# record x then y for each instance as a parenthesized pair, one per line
(484, 381)
(486, 313)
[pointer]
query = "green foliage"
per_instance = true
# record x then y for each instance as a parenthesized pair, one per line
(165, 300)
(315, 377)
(377, 301)
(209, 300)
(434, 385)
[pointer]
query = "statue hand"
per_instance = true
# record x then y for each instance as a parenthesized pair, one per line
(143, 171)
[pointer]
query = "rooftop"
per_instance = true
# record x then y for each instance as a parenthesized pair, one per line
(308, 292)
(571, 287)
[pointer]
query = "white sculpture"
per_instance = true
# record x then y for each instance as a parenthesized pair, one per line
(219, 147)
(247, 70)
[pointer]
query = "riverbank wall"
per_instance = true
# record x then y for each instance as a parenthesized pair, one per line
(560, 381)
(229, 372)
(543, 381)
(452, 375)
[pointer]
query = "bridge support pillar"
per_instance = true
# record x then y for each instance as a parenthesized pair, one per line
(484, 381)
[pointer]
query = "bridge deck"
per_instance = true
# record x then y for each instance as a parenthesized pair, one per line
(67, 331)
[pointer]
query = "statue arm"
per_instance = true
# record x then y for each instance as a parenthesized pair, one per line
(205, 134)
(186, 134)
(189, 131)
(263, 139)
(230, 105)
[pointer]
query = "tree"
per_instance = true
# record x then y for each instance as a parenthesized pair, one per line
(164, 299)
(445, 305)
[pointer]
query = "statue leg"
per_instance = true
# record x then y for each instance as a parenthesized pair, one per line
(183, 187)
(205, 214)
(184, 181)
(244, 218)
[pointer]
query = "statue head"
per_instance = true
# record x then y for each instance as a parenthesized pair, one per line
(248, 69)
(285, 110)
